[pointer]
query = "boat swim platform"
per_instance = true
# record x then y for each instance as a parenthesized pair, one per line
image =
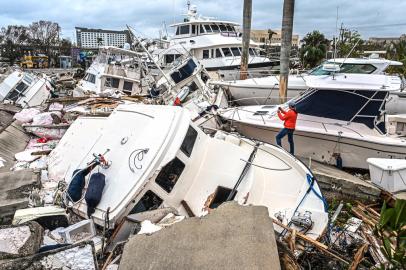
(337, 184)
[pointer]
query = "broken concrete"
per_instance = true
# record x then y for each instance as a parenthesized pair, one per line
(20, 240)
(74, 257)
(340, 185)
(15, 188)
(231, 237)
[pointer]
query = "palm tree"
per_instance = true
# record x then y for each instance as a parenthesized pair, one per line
(286, 44)
(314, 49)
(247, 13)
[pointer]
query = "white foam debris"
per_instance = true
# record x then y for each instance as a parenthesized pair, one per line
(147, 227)
(2, 161)
(12, 239)
(78, 258)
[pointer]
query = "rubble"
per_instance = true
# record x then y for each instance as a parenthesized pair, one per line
(20, 240)
(231, 237)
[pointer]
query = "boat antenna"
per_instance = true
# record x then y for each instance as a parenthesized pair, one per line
(352, 49)
(148, 54)
(188, 5)
(335, 42)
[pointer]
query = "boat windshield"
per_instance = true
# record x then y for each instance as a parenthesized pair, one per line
(360, 106)
(344, 68)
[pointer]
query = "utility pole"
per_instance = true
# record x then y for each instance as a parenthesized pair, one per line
(287, 28)
(246, 33)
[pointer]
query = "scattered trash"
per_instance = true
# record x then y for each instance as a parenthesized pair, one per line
(81, 231)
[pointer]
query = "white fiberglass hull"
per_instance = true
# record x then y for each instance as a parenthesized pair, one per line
(321, 147)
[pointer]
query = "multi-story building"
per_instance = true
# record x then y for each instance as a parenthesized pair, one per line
(272, 37)
(386, 40)
(94, 38)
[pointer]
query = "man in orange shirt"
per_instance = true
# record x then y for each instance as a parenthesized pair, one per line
(289, 117)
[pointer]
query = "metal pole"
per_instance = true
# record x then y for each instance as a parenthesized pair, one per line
(286, 44)
(247, 14)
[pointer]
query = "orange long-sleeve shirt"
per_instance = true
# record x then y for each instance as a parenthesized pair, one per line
(289, 118)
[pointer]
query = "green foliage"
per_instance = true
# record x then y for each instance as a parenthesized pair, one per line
(314, 49)
(349, 44)
(392, 231)
(397, 51)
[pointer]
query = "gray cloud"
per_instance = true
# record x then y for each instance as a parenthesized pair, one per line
(370, 17)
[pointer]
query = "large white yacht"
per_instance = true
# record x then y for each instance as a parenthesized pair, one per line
(336, 122)
(265, 90)
(159, 158)
(215, 43)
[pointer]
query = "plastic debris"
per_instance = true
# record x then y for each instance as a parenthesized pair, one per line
(26, 115)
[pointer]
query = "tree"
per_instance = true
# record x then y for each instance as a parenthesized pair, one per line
(397, 51)
(45, 34)
(314, 49)
(11, 39)
(286, 45)
(349, 43)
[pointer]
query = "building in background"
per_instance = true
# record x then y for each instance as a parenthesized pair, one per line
(386, 40)
(272, 37)
(94, 38)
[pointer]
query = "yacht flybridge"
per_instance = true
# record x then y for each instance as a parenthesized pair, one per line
(159, 158)
(265, 90)
(215, 43)
(335, 122)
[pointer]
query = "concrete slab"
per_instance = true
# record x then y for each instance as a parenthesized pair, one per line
(231, 237)
(13, 139)
(340, 185)
(15, 188)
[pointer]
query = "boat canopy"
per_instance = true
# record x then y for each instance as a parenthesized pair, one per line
(360, 106)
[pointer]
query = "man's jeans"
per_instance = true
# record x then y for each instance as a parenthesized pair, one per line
(283, 133)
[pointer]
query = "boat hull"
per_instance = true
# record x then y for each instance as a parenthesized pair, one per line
(324, 148)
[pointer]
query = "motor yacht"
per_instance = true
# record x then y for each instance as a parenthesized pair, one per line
(337, 124)
(265, 90)
(160, 158)
(216, 44)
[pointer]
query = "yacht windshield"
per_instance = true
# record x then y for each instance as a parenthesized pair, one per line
(226, 52)
(215, 28)
(236, 51)
(345, 68)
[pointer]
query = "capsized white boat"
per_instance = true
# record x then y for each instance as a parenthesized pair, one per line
(265, 90)
(114, 70)
(159, 158)
(336, 122)
(25, 89)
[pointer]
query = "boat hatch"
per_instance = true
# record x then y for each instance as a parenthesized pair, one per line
(261, 112)
(220, 196)
(184, 71)
(150, 201)
(360, 106)
(170, 174)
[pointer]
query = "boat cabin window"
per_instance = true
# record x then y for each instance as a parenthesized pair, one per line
(17, 92)
(226, 52)
(194, 32)
(223, 28)
(127, 86)
(251, 51)
(208, 29)
(183, 30)
(150, 201)
(90, 78)
(218, 53)
(345, 68)
(170, 174)
(201, 29)
(215, 28)
(230, 28)
(183, 72)
(112, 82)
(206, 54)
(236, 51)
(220, 196)
(189, 141)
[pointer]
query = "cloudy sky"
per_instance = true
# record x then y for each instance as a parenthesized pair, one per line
(369, 17)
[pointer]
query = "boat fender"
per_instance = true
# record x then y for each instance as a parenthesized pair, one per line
(94, 192)
(77, 184)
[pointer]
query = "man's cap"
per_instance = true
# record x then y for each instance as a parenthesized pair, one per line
(292, 104)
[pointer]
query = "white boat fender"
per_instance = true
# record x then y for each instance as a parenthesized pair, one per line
(94, 192)
(183, 93)
(77, 184)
